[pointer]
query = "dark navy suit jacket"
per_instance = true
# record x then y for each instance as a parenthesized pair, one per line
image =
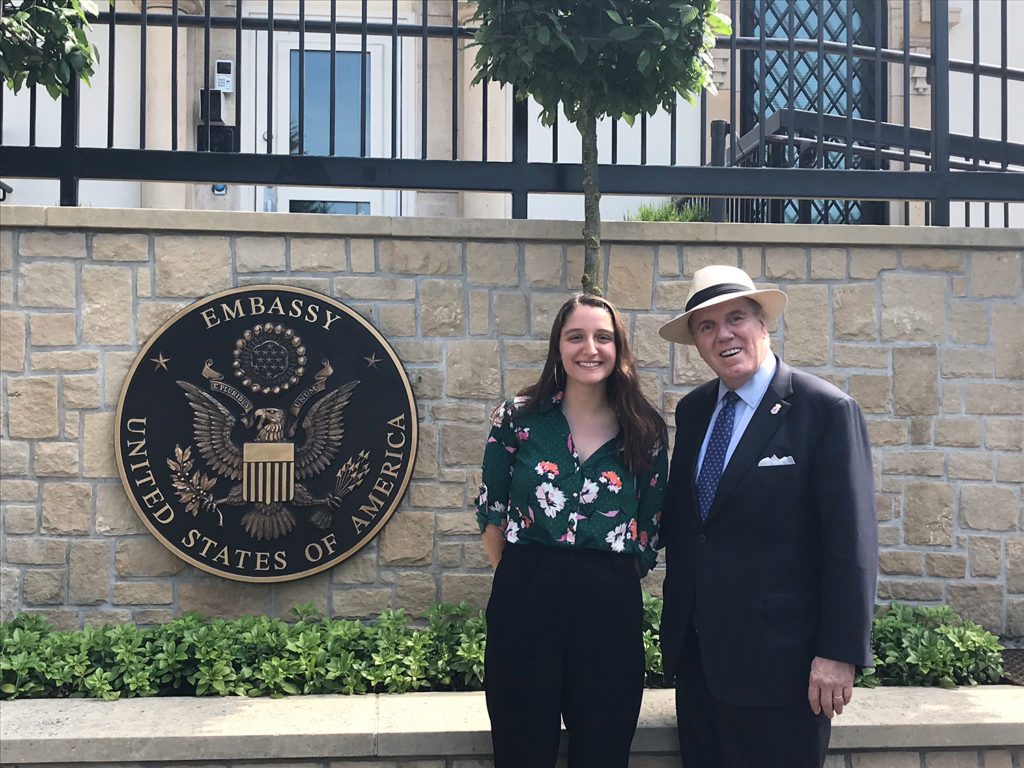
(784, 568)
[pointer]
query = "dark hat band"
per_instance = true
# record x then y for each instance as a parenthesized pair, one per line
(711, 292)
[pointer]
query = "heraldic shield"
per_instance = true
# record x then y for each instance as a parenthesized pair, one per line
(266, 433)
(268, 472)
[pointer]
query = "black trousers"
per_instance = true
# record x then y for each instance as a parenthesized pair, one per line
(564, 637)
(719, 734)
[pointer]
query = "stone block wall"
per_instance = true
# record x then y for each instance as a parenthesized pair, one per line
(925, 327)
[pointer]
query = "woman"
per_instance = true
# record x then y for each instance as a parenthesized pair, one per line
(573, 476)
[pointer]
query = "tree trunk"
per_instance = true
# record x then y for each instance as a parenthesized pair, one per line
(591, 207)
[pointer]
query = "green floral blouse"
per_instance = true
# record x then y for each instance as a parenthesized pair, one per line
(535, 488)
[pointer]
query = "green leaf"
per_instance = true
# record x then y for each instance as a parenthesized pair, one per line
(719, 24)
(614, 16)
(643, 61)
(625, 33)
(580, 53)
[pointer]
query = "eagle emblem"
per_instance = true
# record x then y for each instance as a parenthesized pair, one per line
(266, 433)
(266, 454)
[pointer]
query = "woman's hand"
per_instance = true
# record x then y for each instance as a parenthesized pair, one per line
(494, 543)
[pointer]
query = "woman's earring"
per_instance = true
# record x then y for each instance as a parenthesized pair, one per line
(558, 385)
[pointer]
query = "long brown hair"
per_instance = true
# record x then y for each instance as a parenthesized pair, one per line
(641, 428)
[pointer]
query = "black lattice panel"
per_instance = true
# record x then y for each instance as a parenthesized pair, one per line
(799, 80)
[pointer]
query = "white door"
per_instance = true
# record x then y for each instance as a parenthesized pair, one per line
(283, 131)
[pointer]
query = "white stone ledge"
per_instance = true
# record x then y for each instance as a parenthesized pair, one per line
(230, 222)
(440, 725)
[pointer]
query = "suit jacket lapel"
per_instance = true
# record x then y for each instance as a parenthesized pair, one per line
(763, 424)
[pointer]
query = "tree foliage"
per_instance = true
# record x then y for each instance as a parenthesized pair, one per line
(44, 42)
(598, 58)
(614, 58)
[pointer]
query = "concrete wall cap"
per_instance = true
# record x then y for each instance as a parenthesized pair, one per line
(244, 222)
(439, 724)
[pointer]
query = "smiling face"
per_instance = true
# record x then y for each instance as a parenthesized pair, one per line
(587, 345)
(732, 338)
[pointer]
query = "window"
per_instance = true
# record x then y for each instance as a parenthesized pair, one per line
(316, 117)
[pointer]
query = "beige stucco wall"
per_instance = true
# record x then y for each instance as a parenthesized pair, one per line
(922, 326)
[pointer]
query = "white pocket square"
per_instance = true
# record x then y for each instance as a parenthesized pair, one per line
(775, 461)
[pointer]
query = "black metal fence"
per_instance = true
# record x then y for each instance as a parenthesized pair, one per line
(815, 120)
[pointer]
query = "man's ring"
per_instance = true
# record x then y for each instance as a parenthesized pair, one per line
(836, 697)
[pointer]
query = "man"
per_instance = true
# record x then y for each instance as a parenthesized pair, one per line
(770, 533)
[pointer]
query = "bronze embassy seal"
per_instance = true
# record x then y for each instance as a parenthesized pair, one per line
(266, 433)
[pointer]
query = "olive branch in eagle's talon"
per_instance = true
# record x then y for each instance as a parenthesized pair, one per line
(349, 477)
(193, 491)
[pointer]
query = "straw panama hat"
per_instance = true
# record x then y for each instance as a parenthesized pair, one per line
(714, 285)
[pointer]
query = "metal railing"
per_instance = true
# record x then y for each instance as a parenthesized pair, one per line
(412, 134)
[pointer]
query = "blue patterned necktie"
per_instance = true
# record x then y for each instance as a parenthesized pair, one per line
(714, 457)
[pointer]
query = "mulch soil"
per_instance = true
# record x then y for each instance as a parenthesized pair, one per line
(1013, 665)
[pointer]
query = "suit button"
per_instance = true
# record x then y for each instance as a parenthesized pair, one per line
(701, 538)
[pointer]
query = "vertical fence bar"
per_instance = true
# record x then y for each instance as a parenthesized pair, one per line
(704, 128)
(719, 129)
(32, 115)
(143, 26)
(394, 79)
(762, 144)
(554, 140)
(69, 144)
(111, 56)
(423, 85)
(1003, 95)
(615, 141)
(302, 82)
(940, 108)
(483, 123)
(848, 144)
(732, 78)
(238, 76)
(520, 154)
(790, 82)
(363, 72)
(906, 102)
(174, 75)
(878, 85)
(848, 85)
(332, 122)
(821, 85)
(762, 57)
(673, 127)
(269, 134)
(643, 138)
(455, 79)
(976, 100)
(207, 96)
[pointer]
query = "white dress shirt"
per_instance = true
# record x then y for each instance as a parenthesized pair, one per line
(750, 395)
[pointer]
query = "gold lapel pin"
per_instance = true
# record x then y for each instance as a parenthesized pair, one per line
(776, 408)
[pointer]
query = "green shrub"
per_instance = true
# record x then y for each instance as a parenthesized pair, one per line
(670, 210)
(259, 656)
(252, 656)
(931, 645)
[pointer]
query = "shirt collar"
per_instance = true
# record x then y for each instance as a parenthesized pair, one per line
(752, 392)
